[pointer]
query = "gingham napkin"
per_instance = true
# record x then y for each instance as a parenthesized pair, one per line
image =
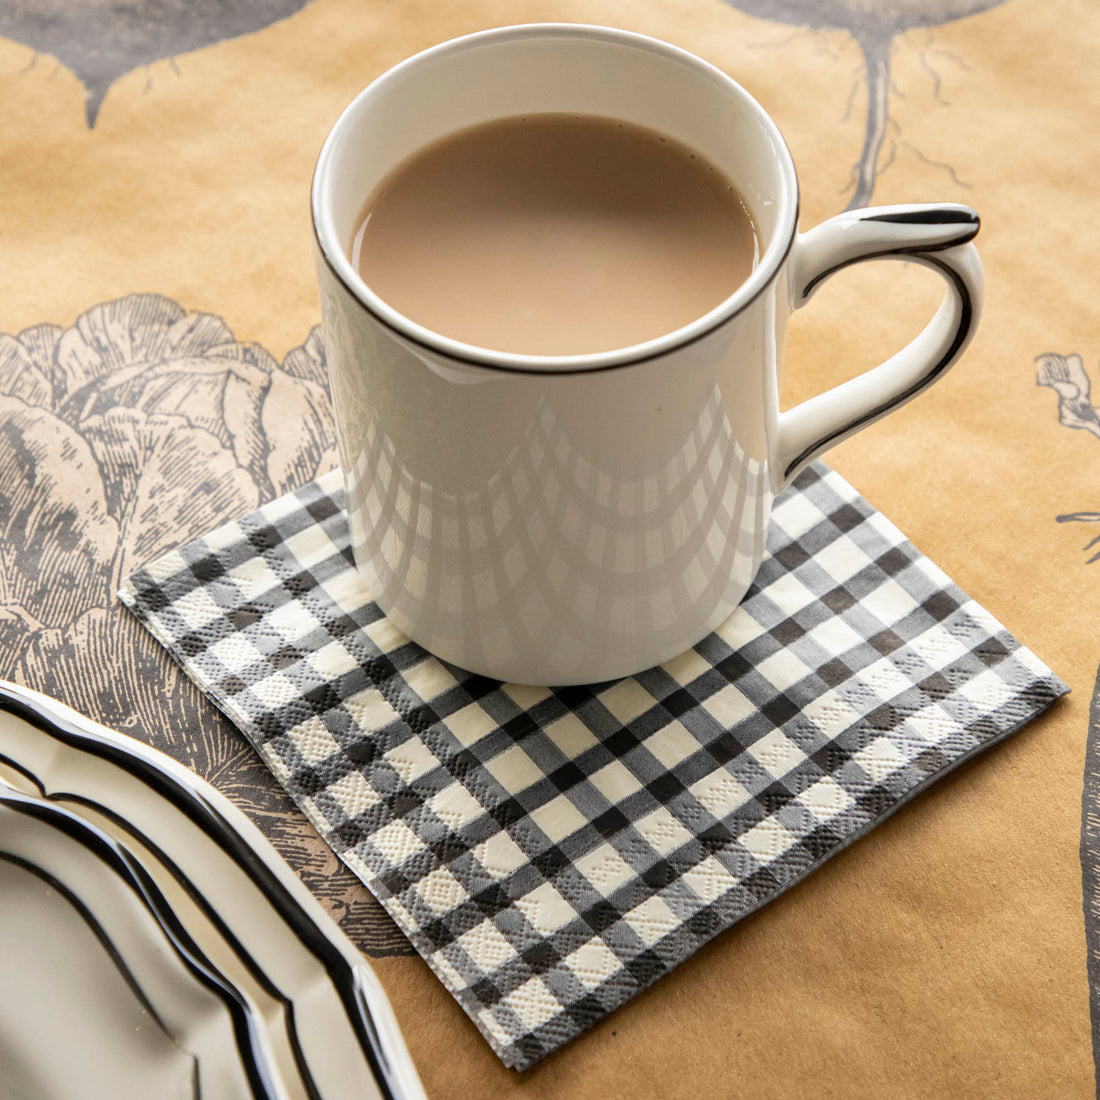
(551, 853)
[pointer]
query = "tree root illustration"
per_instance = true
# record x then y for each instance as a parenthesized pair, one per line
(875, 26)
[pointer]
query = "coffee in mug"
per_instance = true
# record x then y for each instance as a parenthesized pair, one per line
(555, 234)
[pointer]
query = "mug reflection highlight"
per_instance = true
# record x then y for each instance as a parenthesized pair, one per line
(525, 525)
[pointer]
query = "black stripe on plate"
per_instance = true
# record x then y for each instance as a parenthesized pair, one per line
(97, 930)
(208, 819)
(263, 979)
(126, 867)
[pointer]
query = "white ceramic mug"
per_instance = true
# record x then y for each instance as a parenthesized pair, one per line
(570, 519)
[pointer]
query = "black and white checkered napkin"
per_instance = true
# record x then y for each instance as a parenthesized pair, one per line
(552, 852)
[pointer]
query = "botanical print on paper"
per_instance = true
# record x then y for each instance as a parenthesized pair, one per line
(875, 26)
(101, 41)
(139, 427)
(1090, 868)
(1066, 375)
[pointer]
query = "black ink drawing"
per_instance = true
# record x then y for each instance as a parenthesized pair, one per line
(1066, 375)
(1090, 869)
(101, 41)
(874, 26)
(137, 428)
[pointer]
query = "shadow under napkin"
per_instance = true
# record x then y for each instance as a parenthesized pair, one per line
(551, 853)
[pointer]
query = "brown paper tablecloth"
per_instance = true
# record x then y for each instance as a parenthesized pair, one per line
(945, 954)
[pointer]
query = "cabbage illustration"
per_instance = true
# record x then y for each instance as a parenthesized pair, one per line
(141, 426)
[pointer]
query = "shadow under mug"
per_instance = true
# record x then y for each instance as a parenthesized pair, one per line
(573, 519)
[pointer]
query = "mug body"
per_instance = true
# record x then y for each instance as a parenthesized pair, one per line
(556, 519)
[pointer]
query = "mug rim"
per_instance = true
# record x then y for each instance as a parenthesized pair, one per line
(339, 264)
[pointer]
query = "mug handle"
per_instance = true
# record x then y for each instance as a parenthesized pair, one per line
(937, 236)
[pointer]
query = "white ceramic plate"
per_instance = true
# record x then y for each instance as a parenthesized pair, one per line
(154, 943)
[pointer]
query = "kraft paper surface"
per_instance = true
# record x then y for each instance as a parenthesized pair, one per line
(166, 150)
